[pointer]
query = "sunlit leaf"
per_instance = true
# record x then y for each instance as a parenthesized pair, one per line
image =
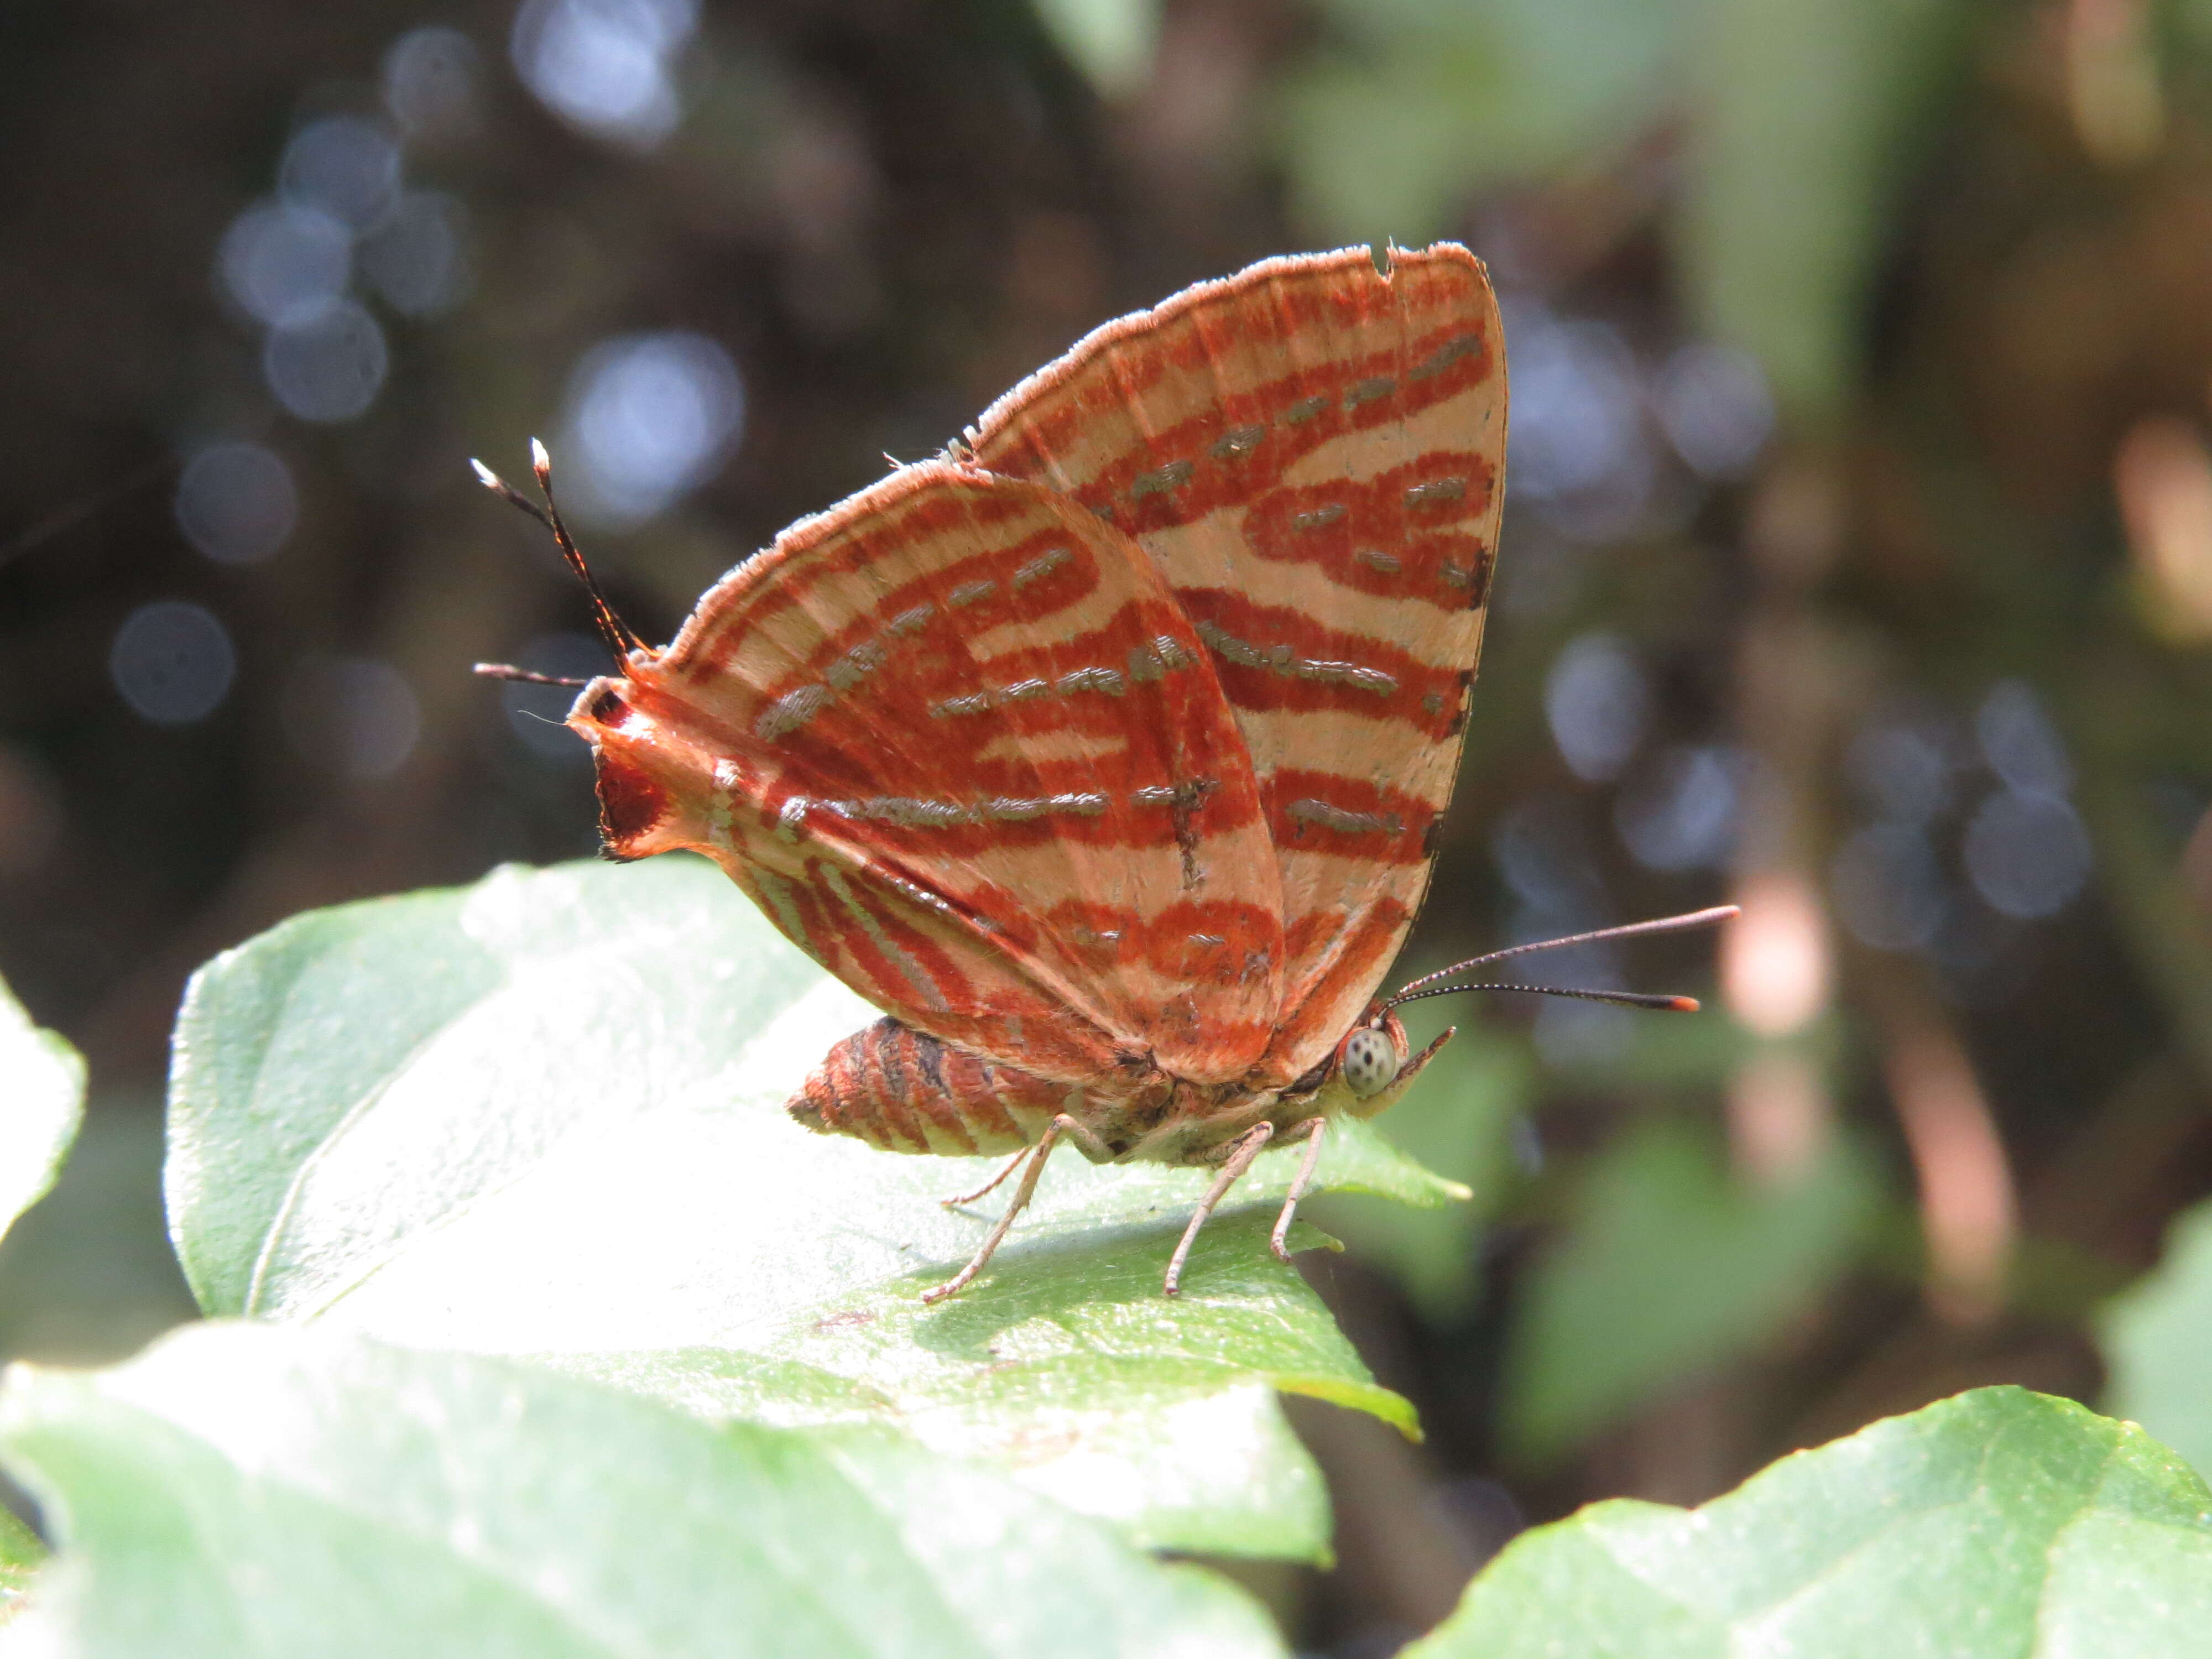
(2157, 1343)
(244, 1488)
(543, 1115)
(1999, 1524)
(1669, 1266)
(41, 1102)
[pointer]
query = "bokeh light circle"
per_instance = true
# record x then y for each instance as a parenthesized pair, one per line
(417, 262)
(1598, 704)
(1888, 887)
(430, 82)
(1902, 771)
(1715, 405)
(650, 417)
(2020, 742)
(329, 369)
(284, 263)
(236, 502)
(345, 166)
(357, 715)
(605, 65)
(2027, 854)
(173, 661)
(1682, 813)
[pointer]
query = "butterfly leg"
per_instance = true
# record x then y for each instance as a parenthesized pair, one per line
(1299, 1185)
(1062, 1124)
(1242, 1151)
(990, 1186)
(1093, 1148)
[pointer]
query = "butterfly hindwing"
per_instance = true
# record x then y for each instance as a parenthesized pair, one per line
(1311, 453)
(959, 741)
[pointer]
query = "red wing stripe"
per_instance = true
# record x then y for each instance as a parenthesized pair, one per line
(1273, 657)
(1279, 659)
(1325, 813)
(1148, 662)
(1308, 811)
(942, 826)
(1275, 424)
(889, 953)
(1341, 528)
(1179, 494)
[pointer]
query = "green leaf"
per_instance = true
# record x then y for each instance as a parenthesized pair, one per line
(1112, 42)
(543, 1115)
(1999, 1524)
(1668, 1266)
(88, 1275)
(21, 1554)
(2157, 1339)
(1438, 97)
(41, 1103)
(1803, 122)
(244, 1488)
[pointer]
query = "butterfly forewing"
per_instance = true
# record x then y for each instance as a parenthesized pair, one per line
(1310, 451)
(959, 738)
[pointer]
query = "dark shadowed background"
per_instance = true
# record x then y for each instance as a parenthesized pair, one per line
(1857, 567)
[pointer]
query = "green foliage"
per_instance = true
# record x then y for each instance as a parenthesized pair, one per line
(41, 1103)
(1668, 1267)
(1998, 1523)
(1112, 42)
(2157, 1343)
(1800, 117)
(1428, 99)
(245, 1488)
(542, 1116)
(21, 1554)
(1804, 119)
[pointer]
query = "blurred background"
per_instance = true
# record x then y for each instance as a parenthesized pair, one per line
(1857, 567)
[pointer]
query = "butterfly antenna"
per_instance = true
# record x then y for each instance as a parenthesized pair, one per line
(620, 637)
(1625, 998)
(1427, 984)
(501, 670)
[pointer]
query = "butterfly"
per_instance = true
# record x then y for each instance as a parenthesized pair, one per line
(1108, 751)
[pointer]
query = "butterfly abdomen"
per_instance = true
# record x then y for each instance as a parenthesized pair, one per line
(904, 1091)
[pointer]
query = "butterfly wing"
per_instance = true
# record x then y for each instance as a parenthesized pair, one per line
(1311, 453)
(961, 745)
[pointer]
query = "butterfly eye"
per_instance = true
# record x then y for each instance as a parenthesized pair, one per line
(1369, 1062)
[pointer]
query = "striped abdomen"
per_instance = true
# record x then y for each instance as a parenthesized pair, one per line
(899, 1089)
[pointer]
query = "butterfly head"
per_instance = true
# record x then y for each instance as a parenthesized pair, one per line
(1372, 1068)
(656, 780)
(1371, 1055)
(645, 782)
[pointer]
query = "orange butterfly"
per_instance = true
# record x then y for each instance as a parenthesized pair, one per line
(1107, 753)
